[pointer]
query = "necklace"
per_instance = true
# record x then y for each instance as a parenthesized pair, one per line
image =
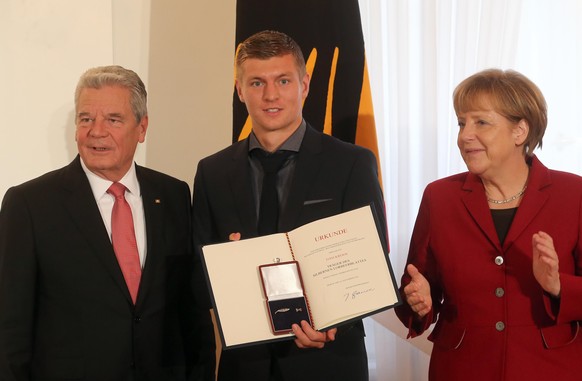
(514, 197)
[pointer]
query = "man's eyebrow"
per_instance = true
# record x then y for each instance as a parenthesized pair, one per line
(110, 115)
(278, 76)
(115, 115)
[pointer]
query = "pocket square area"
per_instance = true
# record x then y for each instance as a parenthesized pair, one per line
(311, 202)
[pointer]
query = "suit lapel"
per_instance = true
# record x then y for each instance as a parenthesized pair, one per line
(476, 203)
(80, 204)
(533, 201)
(307, 167)
(240, 186)
(153, 212)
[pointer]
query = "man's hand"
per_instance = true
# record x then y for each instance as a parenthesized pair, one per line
(234, 237)
(307, 337)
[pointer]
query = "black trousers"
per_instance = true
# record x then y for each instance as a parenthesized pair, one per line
(344, 359)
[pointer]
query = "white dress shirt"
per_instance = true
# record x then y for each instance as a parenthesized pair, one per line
(105, 203)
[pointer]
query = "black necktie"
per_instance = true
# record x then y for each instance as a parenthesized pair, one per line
(269, 207)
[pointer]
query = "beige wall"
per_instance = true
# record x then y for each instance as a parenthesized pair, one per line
(190, 83)
(44, 46)
(181, 49)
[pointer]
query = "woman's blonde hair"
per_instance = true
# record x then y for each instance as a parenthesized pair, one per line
(512, 95)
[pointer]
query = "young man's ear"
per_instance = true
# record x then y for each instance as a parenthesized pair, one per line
(238, 91)
(305, 82)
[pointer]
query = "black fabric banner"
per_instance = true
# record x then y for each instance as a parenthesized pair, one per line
(330, 35)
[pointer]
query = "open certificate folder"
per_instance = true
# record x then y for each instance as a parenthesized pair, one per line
(345, 275)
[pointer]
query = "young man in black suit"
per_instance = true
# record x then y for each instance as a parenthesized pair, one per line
(320, 176)
(68, 308)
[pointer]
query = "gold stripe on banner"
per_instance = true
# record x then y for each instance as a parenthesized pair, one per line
(366, 125)
(329, 106)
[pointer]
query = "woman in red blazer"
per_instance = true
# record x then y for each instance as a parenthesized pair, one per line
(496, 253)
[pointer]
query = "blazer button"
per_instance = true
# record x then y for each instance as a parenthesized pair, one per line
(499, 260)
(137, 319)
(499, 292)
(500, 326)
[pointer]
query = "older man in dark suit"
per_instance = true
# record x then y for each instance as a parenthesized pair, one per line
(95, 258)
(318, 176)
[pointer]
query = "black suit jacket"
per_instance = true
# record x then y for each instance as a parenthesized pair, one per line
(330, 177)
(66, 312)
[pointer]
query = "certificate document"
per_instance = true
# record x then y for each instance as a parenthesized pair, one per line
(345, 271)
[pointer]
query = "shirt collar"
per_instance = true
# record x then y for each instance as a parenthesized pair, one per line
(100, 185)
(293, 142)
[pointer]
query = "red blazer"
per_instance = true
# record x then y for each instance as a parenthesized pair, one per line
(493, 320)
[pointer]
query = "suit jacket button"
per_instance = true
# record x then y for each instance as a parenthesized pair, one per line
(137, 319)
(500, 326)
(499, 292)
(499, 260)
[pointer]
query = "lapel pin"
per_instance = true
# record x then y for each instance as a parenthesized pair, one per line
(157, 201)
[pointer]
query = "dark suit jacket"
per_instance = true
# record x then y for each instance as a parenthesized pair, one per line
(66, 313)
(494, 320)
(330, 177)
